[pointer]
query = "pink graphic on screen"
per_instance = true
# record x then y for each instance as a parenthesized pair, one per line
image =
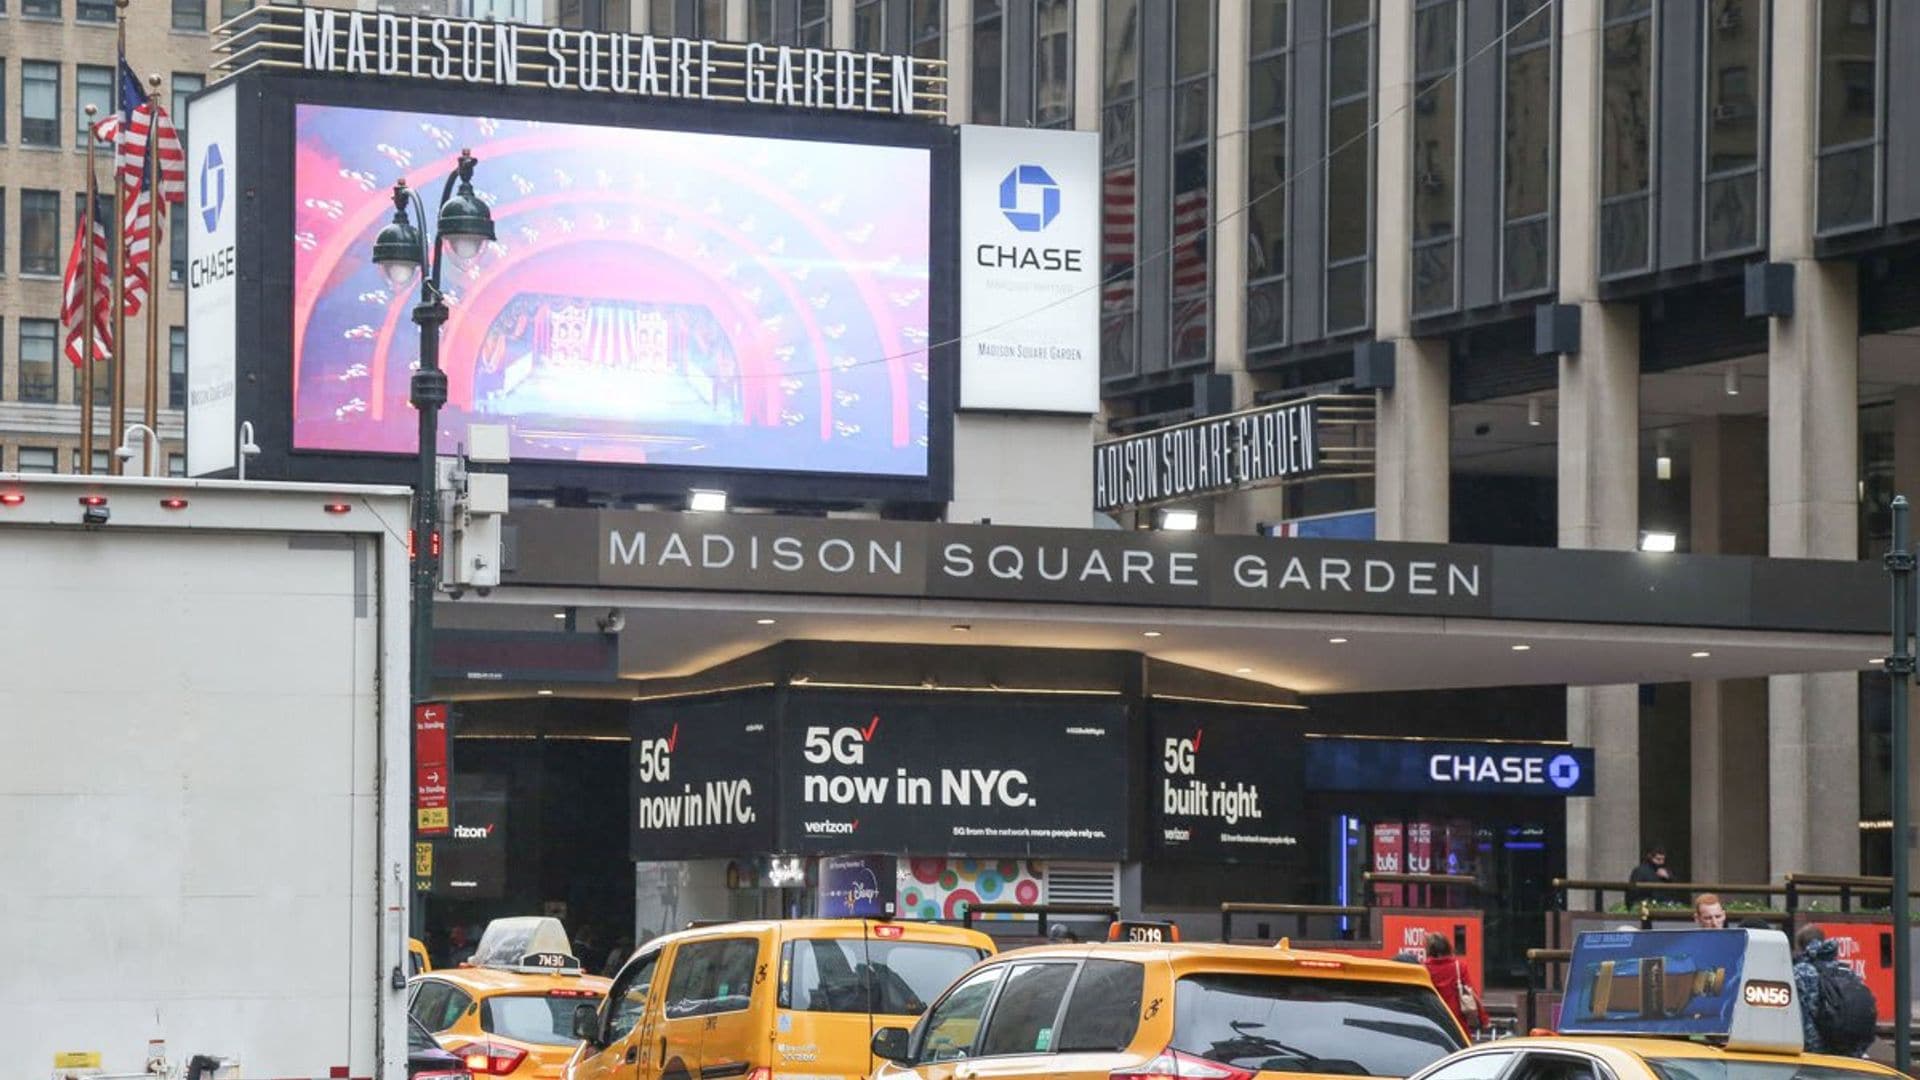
(653, 297)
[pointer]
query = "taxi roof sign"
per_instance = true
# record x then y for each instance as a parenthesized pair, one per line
(1728, 986)
(526, 943)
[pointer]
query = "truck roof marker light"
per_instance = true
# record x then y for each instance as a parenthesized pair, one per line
(93, 500)
(173, 504)
(11, 498)
(337, 507)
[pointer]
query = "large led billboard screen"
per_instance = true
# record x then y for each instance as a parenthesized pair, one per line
(654, 297)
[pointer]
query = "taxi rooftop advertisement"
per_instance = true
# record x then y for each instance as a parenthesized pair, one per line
(714, 264)
(1725, 985)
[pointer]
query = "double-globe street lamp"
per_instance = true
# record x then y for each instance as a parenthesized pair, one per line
(465, 225)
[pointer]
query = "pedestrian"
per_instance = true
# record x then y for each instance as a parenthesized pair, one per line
(1652, 868)
(617, 957)
(1838, 1014)
(1449, 977)
(1708, 912)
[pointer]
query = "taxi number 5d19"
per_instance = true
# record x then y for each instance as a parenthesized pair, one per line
(1143, 934)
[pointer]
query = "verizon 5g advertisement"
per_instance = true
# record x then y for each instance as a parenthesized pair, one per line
(1225, 785)
(1029, 269)
(703, 779)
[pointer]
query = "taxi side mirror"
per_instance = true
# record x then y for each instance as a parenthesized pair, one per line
(586, 1023)
(890, 1044)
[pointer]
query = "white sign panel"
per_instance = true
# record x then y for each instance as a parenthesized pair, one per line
(209, 221)
(1029, 270)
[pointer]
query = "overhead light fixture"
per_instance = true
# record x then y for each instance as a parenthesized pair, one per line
(1701, 654)
(763, 622)
(559, 614)
(1336, 641)
(1179, 520)
(1522, 648)
(546, 693)
(1663, 460)
(1732, 382)
(1243, 671)
(961, 628)
(707, 501)
(1149, 633)
(1877, 660)
(1533, 412)
(1658, 541)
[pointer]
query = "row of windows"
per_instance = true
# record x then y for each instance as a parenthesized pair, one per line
(43, 245)
(42, 359)
(40, 94)
(186, 14)
(46, 459)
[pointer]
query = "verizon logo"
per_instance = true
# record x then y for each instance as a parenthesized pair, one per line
(472, 832)
(831, 828)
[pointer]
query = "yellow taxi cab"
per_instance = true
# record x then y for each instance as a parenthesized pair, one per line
(509, 1010)
(1668, 1005)
(1146, 1007)
(795, 997)
(417, 961)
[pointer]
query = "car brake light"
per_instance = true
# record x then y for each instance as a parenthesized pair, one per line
(442, 1074)
(489, 1059)
(888, 930)
(1174, 1065)
(574, 993)
(1317, 962)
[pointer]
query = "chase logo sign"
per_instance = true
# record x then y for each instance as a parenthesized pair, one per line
(1436, 767)
(1023, 186)
(213, 187)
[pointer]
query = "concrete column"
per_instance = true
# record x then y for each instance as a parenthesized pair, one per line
(1089, 54)
(1813, 471)
(736, 20)
(1412, 449)
(1230, 190)
(1729, 486)
(840, 25)
(1599, 488)
(959, 44)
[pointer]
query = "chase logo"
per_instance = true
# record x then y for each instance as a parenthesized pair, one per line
(1563, 771)
(1018, 190)
(213, 187)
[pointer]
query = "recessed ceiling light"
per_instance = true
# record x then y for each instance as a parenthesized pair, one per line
(559, 614)
(1336, 641)
(1522, 648)
(1878, 660)
(960, 627)
(1701, 654)
(763, 622)
(1149, 633)
(546, 693)
(1243, 671)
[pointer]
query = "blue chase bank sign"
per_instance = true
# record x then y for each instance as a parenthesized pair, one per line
(1439, 768)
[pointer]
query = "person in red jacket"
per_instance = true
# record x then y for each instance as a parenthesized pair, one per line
(1449, 975)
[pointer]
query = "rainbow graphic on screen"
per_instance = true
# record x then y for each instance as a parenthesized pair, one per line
(652, 298)
(943, 888)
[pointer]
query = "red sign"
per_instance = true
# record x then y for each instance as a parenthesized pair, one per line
(432, 775)
(1868, 948)
(1406, 931)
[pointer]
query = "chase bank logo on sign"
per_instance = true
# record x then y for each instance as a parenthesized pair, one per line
(1014, 189)
(213, 187)
(1564, 771)
(1487, 769)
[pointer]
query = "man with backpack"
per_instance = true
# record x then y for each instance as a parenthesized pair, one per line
(1838, 1014)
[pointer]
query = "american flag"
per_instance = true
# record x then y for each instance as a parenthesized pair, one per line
(1117, 237)
(1190, 254)
(100, 308)
(142, 120)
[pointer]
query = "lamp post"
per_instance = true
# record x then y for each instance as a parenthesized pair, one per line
(125, 451)
(401, 251)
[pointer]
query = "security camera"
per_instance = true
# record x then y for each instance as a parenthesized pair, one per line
(94, 515)
(124, 453)
(613, 621)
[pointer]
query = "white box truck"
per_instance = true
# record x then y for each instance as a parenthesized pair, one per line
(204, 735)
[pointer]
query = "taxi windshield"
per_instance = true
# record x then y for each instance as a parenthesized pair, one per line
(532, 1018)
(1707, 1069)
(1286, 1023)
(892, 978)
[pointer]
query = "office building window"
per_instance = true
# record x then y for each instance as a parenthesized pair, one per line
(1349, 171)
(989, 87)
(39, 103)
(177, 368)
(37, 349)
(802, 23)
(1734, 98)
(870, 25)
(176, 250)
(231, 8)
(1436, 155)
(3, 90)
(189, 14)
(176, 464)
(38, 459)
(185, 84)
(102, 462)
(96, 11)
(40, 9)
(1268, 60)
(816, 24)
(1850, 121)
(1528, 87)
(1053, 63)
(926, 28)
(1190, 261)
(600, 15)
(39, 232)
(1627, 44)
(91, 86)
(1119, 200)
(761, 24)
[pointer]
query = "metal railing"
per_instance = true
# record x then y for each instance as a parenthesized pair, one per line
(1300, 913)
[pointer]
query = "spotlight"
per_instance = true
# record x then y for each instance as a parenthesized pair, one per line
(1658, 541)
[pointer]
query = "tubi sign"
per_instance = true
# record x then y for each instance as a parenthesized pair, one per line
(1422, 766)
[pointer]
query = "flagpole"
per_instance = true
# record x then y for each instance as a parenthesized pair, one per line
(87, 315)
(117, 395)
(155, 211)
